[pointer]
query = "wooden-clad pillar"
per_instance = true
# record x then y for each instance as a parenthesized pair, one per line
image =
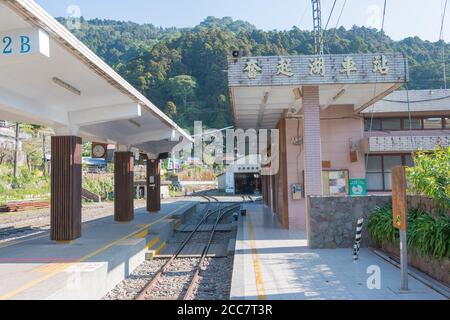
(66, 162)
(265, 190)
(153, 185)
(123, 186)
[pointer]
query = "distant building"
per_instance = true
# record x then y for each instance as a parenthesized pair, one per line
(390, 137)
(242, 177)
(341, 124)
(8, 141)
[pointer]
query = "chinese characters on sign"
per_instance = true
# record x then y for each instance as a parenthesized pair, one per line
(252, 68)
(284, 67)
(380, 65)
(348, 66)
(317, 66)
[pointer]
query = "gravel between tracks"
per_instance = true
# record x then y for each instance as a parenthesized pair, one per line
(215, 280)
(130, 287)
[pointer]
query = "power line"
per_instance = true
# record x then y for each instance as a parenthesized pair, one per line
(337, 23)
(441, 37)
(340, 15)
(329, 17)
(417, 101)
(384, 16)
(441, 33)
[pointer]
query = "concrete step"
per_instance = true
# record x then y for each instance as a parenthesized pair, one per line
(185, 214)
(216, 250)
(231, 246)
(205, 228)
(154, 250)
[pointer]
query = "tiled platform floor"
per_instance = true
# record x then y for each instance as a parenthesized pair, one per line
(272, 263)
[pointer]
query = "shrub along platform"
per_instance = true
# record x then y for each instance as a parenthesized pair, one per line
(437, 269)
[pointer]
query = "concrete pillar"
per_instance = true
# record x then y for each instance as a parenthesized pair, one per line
(312, 141)
(123, 186)
(154, 185)
(66, 162)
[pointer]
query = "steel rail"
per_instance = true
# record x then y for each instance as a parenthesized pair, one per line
(189, 295)
(162, 270)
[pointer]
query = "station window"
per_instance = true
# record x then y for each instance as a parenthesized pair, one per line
(447, 123)
(379, 169)
(393, 124)
(415, 124)
(372, 124)
(432, 123)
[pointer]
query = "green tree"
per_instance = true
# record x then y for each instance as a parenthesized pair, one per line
(431, 175)
(171, 109)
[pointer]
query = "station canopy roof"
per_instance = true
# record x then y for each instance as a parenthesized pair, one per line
(414, 101)
(265, 89)
(49, 77)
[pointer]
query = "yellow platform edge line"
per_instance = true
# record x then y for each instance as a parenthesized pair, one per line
(37, 281)
(142, 234)
(152, 243)
(162, 246)
(256, 264)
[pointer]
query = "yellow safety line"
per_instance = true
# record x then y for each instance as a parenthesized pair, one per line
(152, 243)
(86, 257)
(162, 246)
(256, 264)
(142, 234)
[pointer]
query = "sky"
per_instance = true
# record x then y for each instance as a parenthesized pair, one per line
(404, 18)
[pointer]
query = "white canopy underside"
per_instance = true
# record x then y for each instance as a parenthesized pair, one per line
(262, 107)
(108, 108)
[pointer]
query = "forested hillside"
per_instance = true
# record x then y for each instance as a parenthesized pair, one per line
(183, 71)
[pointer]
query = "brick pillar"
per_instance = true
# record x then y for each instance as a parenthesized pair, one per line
(65, 217)
(123, 186)
(312, 141)
(153, 185)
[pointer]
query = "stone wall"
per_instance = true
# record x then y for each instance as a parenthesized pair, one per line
(332, 220)
(426, 204)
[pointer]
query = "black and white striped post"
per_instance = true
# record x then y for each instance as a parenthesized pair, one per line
(357, 244)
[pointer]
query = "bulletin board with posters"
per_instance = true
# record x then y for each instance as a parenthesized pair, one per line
(335, 182)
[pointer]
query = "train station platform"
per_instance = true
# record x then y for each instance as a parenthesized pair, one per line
(275, 264)
(37, 268)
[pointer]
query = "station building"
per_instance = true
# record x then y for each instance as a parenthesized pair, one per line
(48, 77)
(342, 121)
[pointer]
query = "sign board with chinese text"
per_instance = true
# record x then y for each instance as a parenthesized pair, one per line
(399, 203)
(316, 70)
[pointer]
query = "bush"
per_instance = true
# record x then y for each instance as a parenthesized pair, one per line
(431, 175)
(28, 184)
(427, 236)
(101, 184)
(381, 228)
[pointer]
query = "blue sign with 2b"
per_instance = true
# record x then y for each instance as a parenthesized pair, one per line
(13, 45)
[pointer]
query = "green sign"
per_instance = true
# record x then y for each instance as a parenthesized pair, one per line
(358, 187)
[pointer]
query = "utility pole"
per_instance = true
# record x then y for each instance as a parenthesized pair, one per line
(44, 157)
(173, 163)
(441, 38)
(16, 150)
(318, 32)
(400, 220)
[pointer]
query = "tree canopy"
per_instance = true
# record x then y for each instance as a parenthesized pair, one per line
(183, 71)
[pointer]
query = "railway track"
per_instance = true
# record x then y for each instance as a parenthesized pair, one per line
(13, 232)
(218, 215)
